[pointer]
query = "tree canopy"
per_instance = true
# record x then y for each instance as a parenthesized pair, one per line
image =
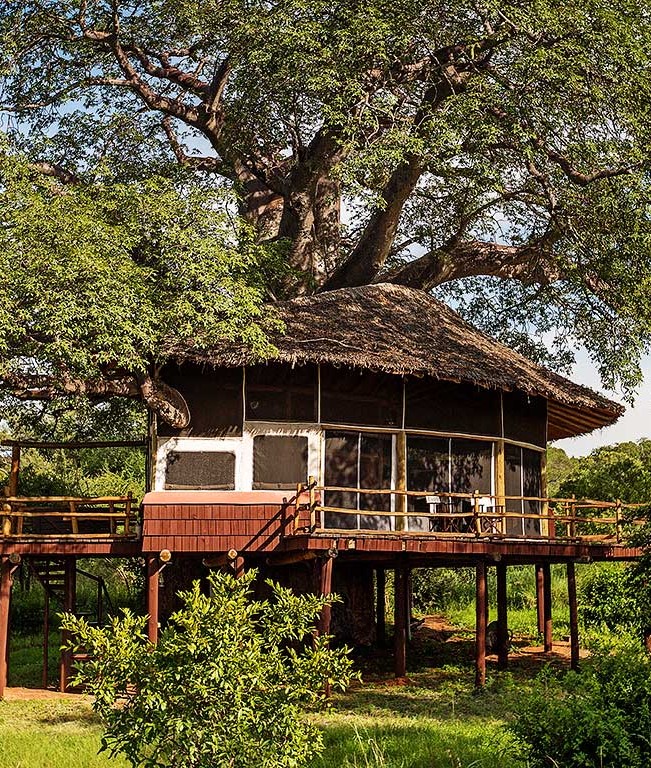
(497, 153)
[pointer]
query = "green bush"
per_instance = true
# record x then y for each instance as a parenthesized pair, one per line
(610, 598)
(227, 686)
(599, 717)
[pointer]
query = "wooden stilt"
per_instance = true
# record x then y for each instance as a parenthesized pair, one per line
(69, 599)
(5, 600)
(325, 588)
(380, 608)
(540, 598)
(153, 570)
(502, 618)
(409, 604)
(400, 621)
(547, 603)
(46, 640)
(238, 566)
(480, 629)
(574, 616)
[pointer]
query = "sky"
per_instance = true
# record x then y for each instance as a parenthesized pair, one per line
(633, 425)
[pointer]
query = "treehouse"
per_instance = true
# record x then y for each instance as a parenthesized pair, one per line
(384, 433)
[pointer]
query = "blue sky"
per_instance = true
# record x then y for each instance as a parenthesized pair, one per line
(633, 425)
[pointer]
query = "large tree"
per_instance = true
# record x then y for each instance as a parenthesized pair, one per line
(496, 152)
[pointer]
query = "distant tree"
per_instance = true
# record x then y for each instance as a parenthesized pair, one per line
(497, 153)
(621, 471)
(228, 685)
(559, 467)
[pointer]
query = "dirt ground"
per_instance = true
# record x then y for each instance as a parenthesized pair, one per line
(435, 643)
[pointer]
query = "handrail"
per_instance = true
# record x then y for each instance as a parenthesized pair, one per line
(486, 515)
(101, 516)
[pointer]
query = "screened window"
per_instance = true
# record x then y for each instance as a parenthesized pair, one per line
(366, 398)
(200, 470)
(279, 461)
(523, 478)
(358, 460)
(446, 406)
(278, 392)
(442, 466)
(214, 397)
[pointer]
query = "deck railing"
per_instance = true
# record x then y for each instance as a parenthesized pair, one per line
(464, 515)
(68, 517)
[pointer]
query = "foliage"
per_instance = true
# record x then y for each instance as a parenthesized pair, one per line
(559, 467)
(98, 286)
(499, 151)
(227, 684)
(621, 471)
(600, 716)
(610, 597)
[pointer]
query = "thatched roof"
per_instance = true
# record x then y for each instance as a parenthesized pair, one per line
(400, 330)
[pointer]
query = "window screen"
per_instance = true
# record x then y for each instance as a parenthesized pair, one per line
(446, 406)
(443, 465)
(525, 418)
(523, 478)
(279, 461)
(195, 470)
(354, 397)
(278, 392)
(214, 398)
(358, 460)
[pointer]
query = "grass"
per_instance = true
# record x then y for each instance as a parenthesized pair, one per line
(436, 722)
(51, 734)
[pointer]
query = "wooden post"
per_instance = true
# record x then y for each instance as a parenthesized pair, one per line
(380, 607)
(15, 470)
(502, 618)
(500, 484)
(574, 616)
(401, 481)
(153, 570)
(238, 566)
(618, 521)
(325, 588)
(540, 598)
(46, 640)
(547, 602)
(5, 600)
(480, 626)
(400, 621)
(69, 599)
(475, 512)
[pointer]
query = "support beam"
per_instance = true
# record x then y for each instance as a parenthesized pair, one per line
(69, 606)
(238, 566)
(502, 618)
(540, 598)
(380, 607)
(547, 601)
(153, 569)
(325, 589)
(46, 640)
(6, 569)
(15, 471)
(400, 621)
(574, 616)
(480, 628)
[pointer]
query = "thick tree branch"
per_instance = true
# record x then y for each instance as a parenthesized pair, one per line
(530, 264)
(163, 399)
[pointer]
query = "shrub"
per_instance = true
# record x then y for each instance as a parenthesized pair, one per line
(597, 718)
(609, 598)
(227, 684)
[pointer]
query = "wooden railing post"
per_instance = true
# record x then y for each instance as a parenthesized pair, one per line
(74, 523)
(297, 508)
(127, 514)
(572, 525)
(312, 502)
(15, 471)
(618, 520)
(475, 513)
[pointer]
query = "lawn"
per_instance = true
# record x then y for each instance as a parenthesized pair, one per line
(436, 722)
